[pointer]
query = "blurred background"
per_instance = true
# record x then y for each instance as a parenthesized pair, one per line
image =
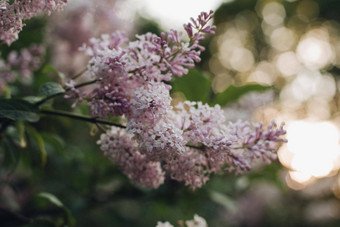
(271, 59)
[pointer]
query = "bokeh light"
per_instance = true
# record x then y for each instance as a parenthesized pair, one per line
(315, 52)
(312, 151)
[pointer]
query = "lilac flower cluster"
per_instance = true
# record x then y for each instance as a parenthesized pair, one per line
(122, 150)
(21, 64)
(12, 13)
(187, 142)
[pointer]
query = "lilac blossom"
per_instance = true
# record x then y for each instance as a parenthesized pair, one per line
(20, 64)
(12, 14)
(254, 141)
(122, 67)
(158, 141)
(244, 142)
(187, 142)
(191, 167)
(75, 93)
(122, 150)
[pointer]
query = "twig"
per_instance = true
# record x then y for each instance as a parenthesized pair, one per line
(79, 74)
(80, 117)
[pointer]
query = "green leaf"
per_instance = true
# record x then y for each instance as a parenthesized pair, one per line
(54, 200)
(232, 93)
(51, 69)
(41, 144)
(50, 89)
(18, 110)
(33, 99)
(195, 86)
(22, 137)
(51, 198)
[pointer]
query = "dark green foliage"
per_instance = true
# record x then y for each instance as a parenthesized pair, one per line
(145, 25)
(18, 110)
(50, 89)
(195, 86)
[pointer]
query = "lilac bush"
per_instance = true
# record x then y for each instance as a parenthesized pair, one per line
(127, 89)
(187, 142)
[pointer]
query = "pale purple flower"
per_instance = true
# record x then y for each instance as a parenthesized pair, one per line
(74, 93)
(150, 102)
(158, 141)
(21, 65)
(200, 121)
(122, 150)
(191, 167)
(12, 13)
(253, 141)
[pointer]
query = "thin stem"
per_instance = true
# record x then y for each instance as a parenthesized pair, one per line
(201, 147)
(79, 74)
(80, 117)
(48, 98)
(83, 84)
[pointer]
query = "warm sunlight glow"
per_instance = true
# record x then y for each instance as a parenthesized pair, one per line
(315, 53)
(312, 151)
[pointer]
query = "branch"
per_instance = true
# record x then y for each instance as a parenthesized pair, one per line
(97, 121)
(79, 74)
(80, 117)
(83, 84)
